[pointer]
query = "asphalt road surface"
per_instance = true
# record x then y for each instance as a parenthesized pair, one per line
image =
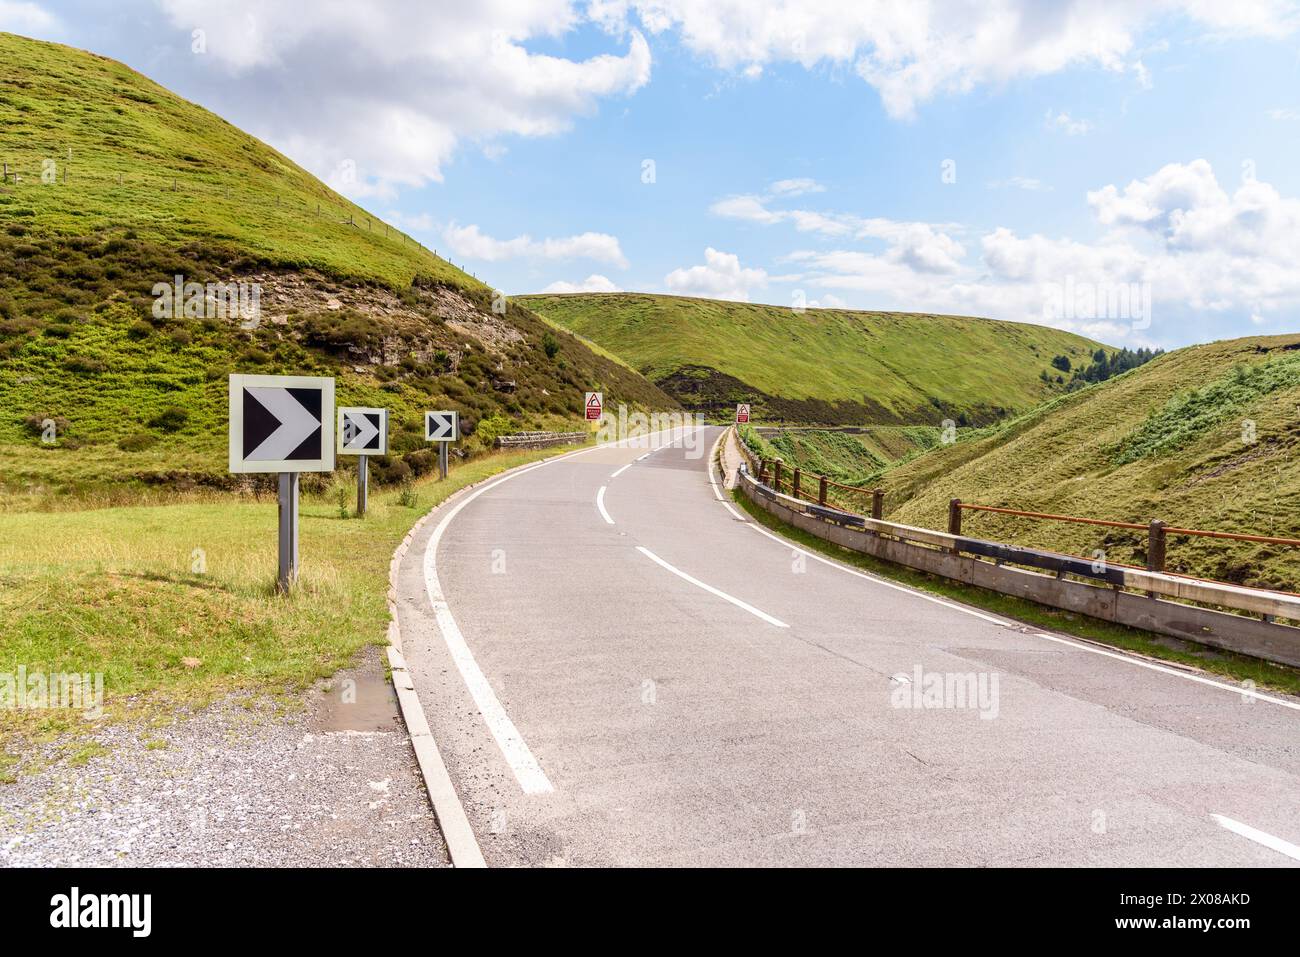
(621, 669)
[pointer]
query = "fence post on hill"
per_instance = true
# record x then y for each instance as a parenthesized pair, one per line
(776, 474)
(794, 482)
(954, 518)
(878, 503)
(1155, 548)
(821, 491)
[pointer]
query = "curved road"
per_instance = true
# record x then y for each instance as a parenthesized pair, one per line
(620, 668)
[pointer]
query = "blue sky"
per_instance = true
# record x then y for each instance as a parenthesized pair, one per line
(989, 159)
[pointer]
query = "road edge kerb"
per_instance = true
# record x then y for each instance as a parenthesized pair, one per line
(457, 834)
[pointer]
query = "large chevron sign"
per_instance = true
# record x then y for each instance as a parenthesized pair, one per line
(281, 423)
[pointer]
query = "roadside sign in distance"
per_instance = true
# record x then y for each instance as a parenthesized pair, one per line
(278, 423)
(595, 404)
(441, 426)
(363, 431)
(742, 413)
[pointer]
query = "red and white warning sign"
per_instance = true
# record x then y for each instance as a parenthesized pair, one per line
(595, 406)
(742, 413)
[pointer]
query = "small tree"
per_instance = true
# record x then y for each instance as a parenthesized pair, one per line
(1061, 362)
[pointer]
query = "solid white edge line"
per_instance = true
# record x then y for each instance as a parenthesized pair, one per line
(710, 589)
(1259, 837)
(516, 752)
(1244, 692)
(1237, 690)
(600, 504)
(621, 471)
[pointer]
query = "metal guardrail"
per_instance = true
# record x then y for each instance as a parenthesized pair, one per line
(1152, 580)
(539, 440)
(798, 484)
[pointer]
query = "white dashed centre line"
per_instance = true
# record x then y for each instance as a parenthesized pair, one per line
(711, 590)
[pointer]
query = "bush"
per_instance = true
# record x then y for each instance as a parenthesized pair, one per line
(171, 419)
(550, 345)
(137, 443)
(85, 365)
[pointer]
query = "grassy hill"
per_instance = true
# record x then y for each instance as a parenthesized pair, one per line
(824, 366)
(115, 184)
(1205, 437)
(849, 457)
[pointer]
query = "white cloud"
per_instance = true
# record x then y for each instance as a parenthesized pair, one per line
(396, 87)
(721, 277)
(1198, 250)
(472, 243)
(1284, 114)
(924, 246)
(29, 19)
(796, 187)
(1064, 123)
(913, 52)
(593, 283)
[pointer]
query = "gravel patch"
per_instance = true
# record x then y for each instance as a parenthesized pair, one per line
(240, 783)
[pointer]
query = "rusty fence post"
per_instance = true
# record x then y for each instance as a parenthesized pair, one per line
(794, 484)
(877, 503)
(954, 520)
(1155, 548)
(776, 474)
(821, 491)
(762, 471)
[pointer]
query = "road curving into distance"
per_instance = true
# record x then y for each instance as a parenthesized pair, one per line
(621, 669)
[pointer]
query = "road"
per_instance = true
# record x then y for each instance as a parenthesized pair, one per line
(621, 669)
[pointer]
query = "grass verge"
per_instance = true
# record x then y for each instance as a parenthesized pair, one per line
(174, 605)
(1222, 663)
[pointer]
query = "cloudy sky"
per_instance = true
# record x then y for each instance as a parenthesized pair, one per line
(1125, 169)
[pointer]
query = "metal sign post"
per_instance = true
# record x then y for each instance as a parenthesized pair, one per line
(279, 424)
(287, 570)
(363, 433)
(363, 484)
(443, 428)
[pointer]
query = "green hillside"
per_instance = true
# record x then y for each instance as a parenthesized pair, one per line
(1205, 437)
(113, 184)
(848, 457)
(824, 366)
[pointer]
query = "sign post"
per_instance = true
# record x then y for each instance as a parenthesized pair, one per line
(595, 406)
(280, 424)
(443, 428)
(363, 433)
(742, 413)
(287, 567)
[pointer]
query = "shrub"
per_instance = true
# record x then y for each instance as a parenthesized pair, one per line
(171, 419)
(550, 345)
(137, 443)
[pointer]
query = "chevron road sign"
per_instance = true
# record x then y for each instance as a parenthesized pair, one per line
(363, 431)
(441, 426)
(281, 423)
